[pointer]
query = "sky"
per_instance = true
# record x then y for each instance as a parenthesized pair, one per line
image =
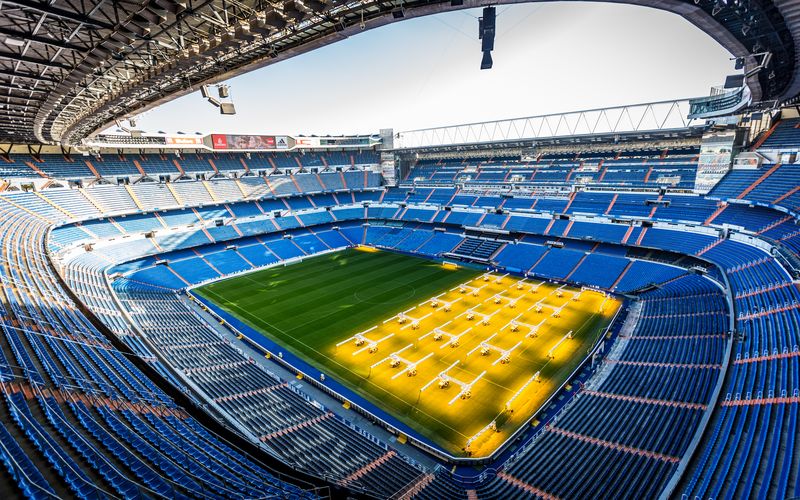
(424, 72)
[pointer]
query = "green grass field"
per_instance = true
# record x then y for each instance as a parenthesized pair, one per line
(314, 302)
(310, 306)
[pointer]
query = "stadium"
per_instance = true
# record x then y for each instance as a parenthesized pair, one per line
(600, 303)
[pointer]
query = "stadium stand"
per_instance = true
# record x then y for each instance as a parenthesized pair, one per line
(193, 272)
(697, 396)
(116, 381)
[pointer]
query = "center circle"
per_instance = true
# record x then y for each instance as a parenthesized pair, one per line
(400, 293)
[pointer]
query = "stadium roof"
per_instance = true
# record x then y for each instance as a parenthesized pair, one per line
(68, 68)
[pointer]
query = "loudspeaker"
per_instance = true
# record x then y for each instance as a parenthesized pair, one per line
(734, 81)
(487, 26)
(487, 42)
(486, 61)
(489, 16)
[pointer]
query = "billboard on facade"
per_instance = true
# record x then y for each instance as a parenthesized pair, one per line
(245, 142)
(184, 141)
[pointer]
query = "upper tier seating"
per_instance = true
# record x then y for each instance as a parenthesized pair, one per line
(677, 171)
(135, 165)
(83, 419)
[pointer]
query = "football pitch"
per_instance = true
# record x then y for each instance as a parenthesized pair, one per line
(460, 356)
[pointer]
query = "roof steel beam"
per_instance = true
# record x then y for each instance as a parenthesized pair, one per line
(20, 88)
(13, 104)
(26, 101)
(50, 42)
(33, 60)
(46, 8)
(30, 76)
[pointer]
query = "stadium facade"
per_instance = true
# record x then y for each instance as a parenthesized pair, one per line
(118, 381)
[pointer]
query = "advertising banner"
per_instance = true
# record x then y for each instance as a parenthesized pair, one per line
(239, 142)
(184, 141)
(219, 141)
(245, 142)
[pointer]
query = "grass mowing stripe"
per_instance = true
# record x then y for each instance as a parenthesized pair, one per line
(288, 290)
(334, 285)
(344, 316)
(335, 310)
(290, 299)
(374, 292)
(309, 267)
(383, 294)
